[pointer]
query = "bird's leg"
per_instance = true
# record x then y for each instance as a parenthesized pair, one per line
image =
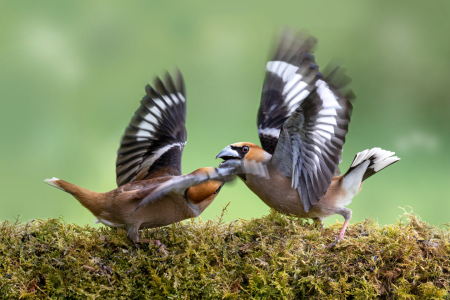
(347, 214)
(133, 233)
(161, 246)
(341, 234)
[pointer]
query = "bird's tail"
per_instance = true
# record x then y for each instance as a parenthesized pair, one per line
(377, 159)
(87, 198)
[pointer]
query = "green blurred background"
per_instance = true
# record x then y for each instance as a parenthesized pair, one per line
(72, 74)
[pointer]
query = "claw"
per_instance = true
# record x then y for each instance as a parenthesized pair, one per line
(334, 243)
(340, 236)
(161, 246)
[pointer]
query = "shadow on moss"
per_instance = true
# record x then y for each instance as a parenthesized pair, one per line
(269, 258)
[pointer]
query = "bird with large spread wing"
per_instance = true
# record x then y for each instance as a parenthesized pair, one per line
(151, 190)
(302, 122)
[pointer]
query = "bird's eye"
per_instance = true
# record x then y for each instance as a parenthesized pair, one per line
(245, 149)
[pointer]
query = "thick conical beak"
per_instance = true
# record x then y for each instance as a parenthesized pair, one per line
(228, 153)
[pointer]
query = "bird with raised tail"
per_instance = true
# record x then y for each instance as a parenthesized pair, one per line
(151, 190)
(302, 123)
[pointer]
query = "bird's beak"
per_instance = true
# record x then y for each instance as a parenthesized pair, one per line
(228, 153)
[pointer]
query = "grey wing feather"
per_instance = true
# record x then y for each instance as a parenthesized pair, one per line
(225, 174)
(311, 140)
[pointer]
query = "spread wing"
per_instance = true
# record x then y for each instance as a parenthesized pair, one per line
(155, 138)
(311, 140)
(227, 171)
(289, 78)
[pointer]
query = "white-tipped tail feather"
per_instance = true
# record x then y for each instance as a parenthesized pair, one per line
(53, 183)
(379, 159)
(365, 164)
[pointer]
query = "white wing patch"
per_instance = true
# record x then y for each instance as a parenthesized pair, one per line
(274, 67)
(328, 120)
(297, 100)
(173, 98)
(160, 104)
(294, 89)
(147, 127)
(169, 99)
(325, 125)
(327, 111)
(149, 117)
(327, 128)
(292, 81)
(269, 132)
(163, 150)
(326, 95)
(142, 135)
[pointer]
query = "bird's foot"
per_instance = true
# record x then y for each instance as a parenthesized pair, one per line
(340, 236)
(161, 246)
(334, 243)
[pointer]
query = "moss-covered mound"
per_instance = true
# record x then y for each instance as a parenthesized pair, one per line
(274, 257)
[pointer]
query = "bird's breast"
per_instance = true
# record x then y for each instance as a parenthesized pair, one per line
(167, 210)
(276, 192)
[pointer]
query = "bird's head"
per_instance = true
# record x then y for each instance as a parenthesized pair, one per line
(239, 151)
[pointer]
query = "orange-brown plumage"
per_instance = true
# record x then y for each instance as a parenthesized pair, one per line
(255, 153)
(203, 191)
(89, 199)
(151, 190)
(116, 208)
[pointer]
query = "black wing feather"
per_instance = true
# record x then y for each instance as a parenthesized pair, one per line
(311, 140)
(156, 135)
(282, 88)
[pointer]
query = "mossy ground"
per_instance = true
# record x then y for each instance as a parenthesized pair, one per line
(274, 257)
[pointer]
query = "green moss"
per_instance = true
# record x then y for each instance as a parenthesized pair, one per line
(269, 258)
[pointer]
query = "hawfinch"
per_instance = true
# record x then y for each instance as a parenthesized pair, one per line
(302, 122)
(151, 190)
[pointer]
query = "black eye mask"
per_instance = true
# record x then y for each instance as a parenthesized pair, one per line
(239, 151)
